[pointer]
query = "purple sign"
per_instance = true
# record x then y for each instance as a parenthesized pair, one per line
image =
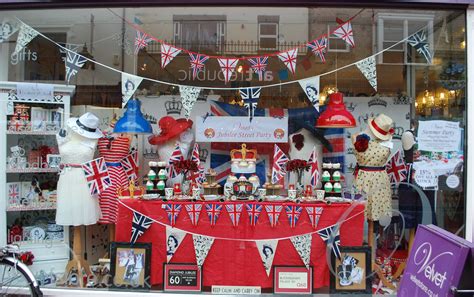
(436, 263)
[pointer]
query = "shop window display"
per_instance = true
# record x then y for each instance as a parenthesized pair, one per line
(234, 147)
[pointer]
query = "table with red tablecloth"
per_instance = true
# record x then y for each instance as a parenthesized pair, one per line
(235, 262)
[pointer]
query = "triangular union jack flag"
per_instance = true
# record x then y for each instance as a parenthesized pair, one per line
(141, 40)
(176, 156)
(254, 211)
(293, 213)
(250, 97)
(194, 210)
(130, 165)
(319, 47)
(259, 65)
(199, 176)
(314, 169)
(289, 58)
(74, 63)
(213, 212)
(345, 33)
(228, 67)
(140, 224)
(168, 53)
(419, 41)
(234, 211)
(314, 213)
(279, 165)
(330, 237)
(172, 210)
(97, 175)
(396, 168)
(197, 63)
(273, 212)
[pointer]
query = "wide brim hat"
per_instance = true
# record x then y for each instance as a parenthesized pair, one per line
(381, 127)
(170, 128)
(86, 125)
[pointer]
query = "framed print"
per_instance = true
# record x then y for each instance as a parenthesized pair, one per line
(53, 160)
(39, 118)
(182, 277)
(55, 119)
(352, 272)
(292, 280)
(130, 265)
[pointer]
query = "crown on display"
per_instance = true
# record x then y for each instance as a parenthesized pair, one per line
(173, 107)
(377, 101)
(130, 191)
(244, 156)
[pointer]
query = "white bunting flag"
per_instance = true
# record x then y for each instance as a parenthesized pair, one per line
(174, 237)
(189, 96)
(130, 84)
(310, 87)
(228, 67)
(302, 245)
(267, 250)
(202, 245)
(289, 58)
(25, 35)
(369, 70)
(168, 53)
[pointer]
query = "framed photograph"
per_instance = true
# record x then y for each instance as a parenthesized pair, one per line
(53, 160)
(182, 277)
(292, 280)
(14, 194)
(352, 272)
(130, 265)
(55, 119)
(39, 118)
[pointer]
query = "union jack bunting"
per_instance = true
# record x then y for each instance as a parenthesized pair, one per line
(253, 211)
(289, 58)
(74, 62)
(194, 210)
(279, 165)
(213, 211)
(65, 48)
(228, 67)
(329, 236)
(97, 175)
(396, 168)
(172, 210)
(168, 53)
(313, 162)
(141, 40)
(197, 63)
(175, 157)
(273, 212)
(314, 213)
(130, 165)
(293, 212)
(250, 97)
(259, 65)
(13, 193)
(419, 41)
(234, 211)
(344, 32)
(319, 48)
(140, 224)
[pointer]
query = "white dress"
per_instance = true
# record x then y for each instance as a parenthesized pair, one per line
(75, 205)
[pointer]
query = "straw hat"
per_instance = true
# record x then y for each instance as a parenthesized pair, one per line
(381, 127)
(86, 125)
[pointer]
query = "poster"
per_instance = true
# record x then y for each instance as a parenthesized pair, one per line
(439, 136)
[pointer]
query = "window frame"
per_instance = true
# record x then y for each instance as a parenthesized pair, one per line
(277, 25)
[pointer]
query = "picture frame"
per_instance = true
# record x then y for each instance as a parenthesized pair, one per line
(292, 280)
(55, 119)
(53, 160)
(130, 265)
(39, 119)
(353, 272)
(182, 277)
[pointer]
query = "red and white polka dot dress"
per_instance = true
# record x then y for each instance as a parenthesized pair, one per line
(113, 150)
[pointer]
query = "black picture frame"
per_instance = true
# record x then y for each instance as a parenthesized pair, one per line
(122, 277)
(359, 254)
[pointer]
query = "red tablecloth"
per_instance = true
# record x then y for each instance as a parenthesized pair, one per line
(231, 262)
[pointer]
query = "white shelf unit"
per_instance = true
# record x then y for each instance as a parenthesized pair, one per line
(48, 254)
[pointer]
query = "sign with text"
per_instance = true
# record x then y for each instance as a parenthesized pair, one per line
(35, 92)
(439, 136)
(292, 280)
(182, 277)
(236, 290)
(240, 129)
(436, 263)
(426, 178)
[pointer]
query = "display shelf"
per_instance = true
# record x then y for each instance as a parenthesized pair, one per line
(39, 133)
(33, 170)
(29, 208)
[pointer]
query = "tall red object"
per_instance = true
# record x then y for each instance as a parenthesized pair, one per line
(336, 115)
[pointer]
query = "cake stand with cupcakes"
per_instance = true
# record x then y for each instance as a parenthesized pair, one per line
(155, 181)
(210, 186)
(332, 180)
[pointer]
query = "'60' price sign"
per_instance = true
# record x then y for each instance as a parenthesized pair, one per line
(182, 277)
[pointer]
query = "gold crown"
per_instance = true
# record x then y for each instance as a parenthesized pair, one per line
(131, 191)
(243, 154)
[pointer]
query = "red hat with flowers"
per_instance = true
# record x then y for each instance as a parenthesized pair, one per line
(169, 128)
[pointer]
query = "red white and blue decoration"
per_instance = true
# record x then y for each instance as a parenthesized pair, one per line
(369, 70)
(293, 212)
(130, 164)
(419, 41)
(172, 211)
(200, 176)
(314, 214)
(97, 176)
(250, 97)
(302, 245)
(141, 41)
(74, 62)
(189, 96)
(227, 67)
(234, 211)
(168, 53)
(273, 212)
(174, 238)
(202, 246)
(314, 168)
(396, 168)
(176, 156)
(13, 193)
(254, 210)
(345, 33)
(259, 65)
(267, 250)
(289, 59)
(140, 224)
(319, 48)
(213, 211)
(197, 63)
(330, 236)
(194, 210)
(279, 165)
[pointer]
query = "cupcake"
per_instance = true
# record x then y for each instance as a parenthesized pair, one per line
(336, 176)
(336, 166)
(151, 174)
(328, 187)
(326, 176)
(337, 187)
(149, 185)
(162, 174)
(161, 185)
(242, 178)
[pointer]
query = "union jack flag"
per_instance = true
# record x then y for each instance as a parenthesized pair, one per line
(319, 47)
(273, 212)
(13, 193)
(213, 212)
(130, 165)
(97, 175)
(140, 224)
(313, 161)
(74, 62)
(175, 157)
(293, 213)
(200, 176)
(250, 97)
(227, 67)
(194, 210)
(330, 236)
(419, 41)
(234, 211)
(314, 213)
(65, 48)
(396, 168)
(259, 65)
(253, 211)
(141, 40)
(172, 210)
(289, 58)
(344, 32)
(279, 165)
(168, 53)
(197, 63)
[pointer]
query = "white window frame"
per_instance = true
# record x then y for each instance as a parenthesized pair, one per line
(277, 25)
(220, 38)
(331, 28)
